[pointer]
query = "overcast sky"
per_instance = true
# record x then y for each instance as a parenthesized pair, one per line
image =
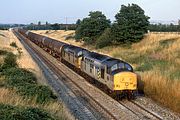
(27, 11)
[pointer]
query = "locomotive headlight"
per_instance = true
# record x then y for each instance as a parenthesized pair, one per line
(126, 84)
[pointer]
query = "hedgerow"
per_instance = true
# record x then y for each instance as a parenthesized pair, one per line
(24, 81)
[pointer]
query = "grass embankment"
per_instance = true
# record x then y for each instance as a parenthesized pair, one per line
(21, 97)
(156, 58)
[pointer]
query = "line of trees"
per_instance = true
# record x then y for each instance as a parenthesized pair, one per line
(39, 26)
(130, 26)
(7, 26)
(48, 26)
(164, 28)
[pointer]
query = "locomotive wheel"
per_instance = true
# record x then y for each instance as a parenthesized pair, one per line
(131, 95)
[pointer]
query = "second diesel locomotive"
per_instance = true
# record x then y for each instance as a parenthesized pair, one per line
(115, 74)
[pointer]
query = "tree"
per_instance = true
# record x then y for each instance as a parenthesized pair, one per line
(39, 23)
(105, 39)
(131, 24)
(92, 27)
(55, 26)
(164, 28)
(47, 23)
(78, 22)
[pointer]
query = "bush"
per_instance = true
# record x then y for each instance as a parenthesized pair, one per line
(13, 44)
(144, 67)
(18, 76)
(166, 43)
(87, 40)
(26, 84)
(105, 39)
(19, 51)
(36, 114)
(175, 75)
(148, 63)
(3, 52)
(8, 112)
(9, 61)
(24, 81)
(43, 94)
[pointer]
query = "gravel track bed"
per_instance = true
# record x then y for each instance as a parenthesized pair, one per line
(165, 113)
(140, 112)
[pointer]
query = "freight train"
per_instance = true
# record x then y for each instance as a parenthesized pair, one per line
(116, 75)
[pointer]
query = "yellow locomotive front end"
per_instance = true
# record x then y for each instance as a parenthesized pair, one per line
(125, 81)
(123, 78)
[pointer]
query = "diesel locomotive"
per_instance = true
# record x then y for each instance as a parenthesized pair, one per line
(115, 74)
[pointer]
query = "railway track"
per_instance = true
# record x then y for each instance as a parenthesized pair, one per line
(76, 89)
(140, 111)
(60, 89)
(110, 109)
(148, 111)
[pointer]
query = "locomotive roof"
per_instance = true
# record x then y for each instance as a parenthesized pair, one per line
(112, 61)
(73, 48)
(96, 56)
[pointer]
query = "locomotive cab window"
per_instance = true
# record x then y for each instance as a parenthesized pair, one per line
(121, 65)
(79, 54)
(128, 67)
(114, 67)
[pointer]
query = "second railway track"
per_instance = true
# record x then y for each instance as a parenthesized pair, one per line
(90, 96)
(140, 111)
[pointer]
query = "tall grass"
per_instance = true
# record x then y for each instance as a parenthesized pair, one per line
(162, 89)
